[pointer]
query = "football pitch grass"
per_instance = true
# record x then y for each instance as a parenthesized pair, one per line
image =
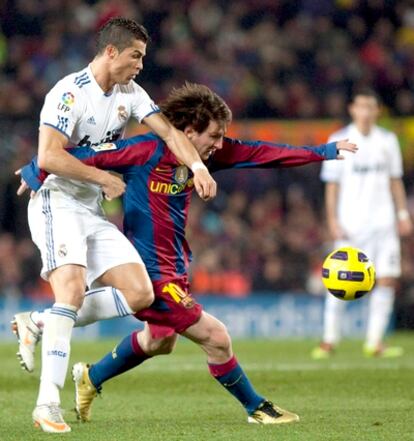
(173, 398)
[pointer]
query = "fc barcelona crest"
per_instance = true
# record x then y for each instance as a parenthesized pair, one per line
(181, 174)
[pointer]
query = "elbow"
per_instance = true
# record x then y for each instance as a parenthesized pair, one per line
(42, 161)
(45, 161)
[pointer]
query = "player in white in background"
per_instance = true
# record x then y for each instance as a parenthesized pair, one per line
(79, 247)
(366, 207)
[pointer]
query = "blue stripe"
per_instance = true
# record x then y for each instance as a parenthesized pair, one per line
(116, 301)
(93, 291)
(69, 316)
(51, 229)
(55, 127)
(82, 83)
(64, 312)
(46, 210)
(81, 77)
(151, 113)
(45, 213)
(121, 306)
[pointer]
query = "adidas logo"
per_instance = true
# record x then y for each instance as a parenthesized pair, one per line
(91, 120)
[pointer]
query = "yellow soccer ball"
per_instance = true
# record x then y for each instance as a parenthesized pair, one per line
(348, 274)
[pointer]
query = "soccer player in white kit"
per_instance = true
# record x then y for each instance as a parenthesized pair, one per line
(366, 208)
(78, 246)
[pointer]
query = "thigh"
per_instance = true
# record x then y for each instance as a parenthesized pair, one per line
(59, 231)
(173, 309)
(128, 277)
(108, 248)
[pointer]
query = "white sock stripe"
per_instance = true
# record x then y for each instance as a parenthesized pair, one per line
(119, 304)
(94, 291)
(64, 312)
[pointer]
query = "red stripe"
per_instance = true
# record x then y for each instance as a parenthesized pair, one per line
(218, 370)
(136, 346)
(133, 154)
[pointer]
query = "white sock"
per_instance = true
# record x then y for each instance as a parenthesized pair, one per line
(102, 304)
(332, 319)
(380, 308)
(99, 304)
(57, 332)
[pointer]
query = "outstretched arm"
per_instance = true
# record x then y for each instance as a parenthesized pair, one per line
(261, 154)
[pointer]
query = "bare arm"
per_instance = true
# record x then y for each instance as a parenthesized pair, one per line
(400, 201)
(182, 148)
(53, 158)
(331, 203)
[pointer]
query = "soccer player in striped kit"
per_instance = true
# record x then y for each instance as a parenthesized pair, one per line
(156, 202)
(366, 208)
(66, 220)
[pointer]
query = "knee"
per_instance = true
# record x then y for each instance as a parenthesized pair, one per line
(142, 296)
(219, 338)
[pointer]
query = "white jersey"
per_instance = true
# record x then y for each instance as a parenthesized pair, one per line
(78, 108)
(365, 203)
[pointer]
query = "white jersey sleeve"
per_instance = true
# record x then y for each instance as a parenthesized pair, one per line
(395, 159)
(143, 105)
(63, 106)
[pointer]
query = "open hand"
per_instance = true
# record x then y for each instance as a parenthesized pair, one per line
(346, 146)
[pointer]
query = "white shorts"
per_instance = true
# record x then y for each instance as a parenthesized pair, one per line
(67, 233)
(382, 247)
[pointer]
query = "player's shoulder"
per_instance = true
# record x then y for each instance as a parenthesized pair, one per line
(383, 132)
(73, 82)
(342, 133)
(132, 88)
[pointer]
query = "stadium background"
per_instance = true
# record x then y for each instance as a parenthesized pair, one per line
(285, 68)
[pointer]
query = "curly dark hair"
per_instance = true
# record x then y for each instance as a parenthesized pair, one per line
(195, 105)
(120, 32)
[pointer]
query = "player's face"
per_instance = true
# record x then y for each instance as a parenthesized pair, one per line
(208, 141)
(126, 65)
(364, 111)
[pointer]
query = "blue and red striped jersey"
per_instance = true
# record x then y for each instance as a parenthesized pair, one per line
(159, 188)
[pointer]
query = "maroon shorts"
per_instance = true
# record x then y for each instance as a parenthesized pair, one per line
(174, 309)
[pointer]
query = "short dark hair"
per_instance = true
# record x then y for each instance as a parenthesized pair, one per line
(195, 105)
(120, 32)
(366, 92)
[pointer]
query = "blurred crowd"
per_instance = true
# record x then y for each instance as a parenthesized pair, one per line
(268, 59)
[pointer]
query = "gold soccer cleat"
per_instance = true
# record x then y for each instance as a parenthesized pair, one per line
(269, 413)
(85, 391)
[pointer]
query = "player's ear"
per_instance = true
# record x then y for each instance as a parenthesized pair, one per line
(111, 51)
(189, 131)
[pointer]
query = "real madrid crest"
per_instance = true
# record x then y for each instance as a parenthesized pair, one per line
(122, 113)
(181, 174)
(62, 251)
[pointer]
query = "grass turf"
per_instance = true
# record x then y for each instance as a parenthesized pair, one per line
(174, 398)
